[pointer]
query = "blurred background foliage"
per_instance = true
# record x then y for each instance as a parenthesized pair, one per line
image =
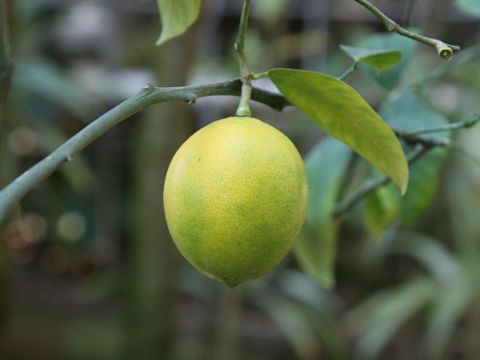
(88, 270)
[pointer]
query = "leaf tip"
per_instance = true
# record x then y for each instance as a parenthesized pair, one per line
(162, 40)
(403, 183)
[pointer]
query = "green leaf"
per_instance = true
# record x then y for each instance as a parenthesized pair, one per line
(379, 60)
(389, 78)
(315, 248)
(177, 16)
(408, 113)
(379, 211)
(469, 7)
(345, 115)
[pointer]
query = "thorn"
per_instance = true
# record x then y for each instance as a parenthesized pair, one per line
(69, 158)
(148, 88)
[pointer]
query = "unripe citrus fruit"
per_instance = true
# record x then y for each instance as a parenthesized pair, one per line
(235, 199)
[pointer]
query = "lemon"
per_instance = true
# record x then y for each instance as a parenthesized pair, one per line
(235, 199)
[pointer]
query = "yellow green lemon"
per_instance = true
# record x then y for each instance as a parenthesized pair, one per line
(235, 199)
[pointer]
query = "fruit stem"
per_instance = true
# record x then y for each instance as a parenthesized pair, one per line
(245, 73)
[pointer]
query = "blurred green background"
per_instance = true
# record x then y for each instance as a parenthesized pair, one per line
(87, 268)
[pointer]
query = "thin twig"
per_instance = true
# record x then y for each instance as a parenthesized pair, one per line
(412, 138)
(444, 50)
(149, 96)
(349, 202)
(449, 127)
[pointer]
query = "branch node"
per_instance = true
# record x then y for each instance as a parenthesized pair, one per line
(392, 27)
(444, 51)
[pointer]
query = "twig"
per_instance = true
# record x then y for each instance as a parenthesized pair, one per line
(149, 96)
(413, 138)
(449, 127)
(444, 50)
(349, 202)
(245, 73)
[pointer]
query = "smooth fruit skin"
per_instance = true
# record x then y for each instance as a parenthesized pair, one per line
(235, 199)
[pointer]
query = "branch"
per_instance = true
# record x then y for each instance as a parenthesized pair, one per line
(444, 50)
(449, 127)
(147, 97)
(369, 186)
(412, 138)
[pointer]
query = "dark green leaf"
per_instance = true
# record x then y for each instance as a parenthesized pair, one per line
(389, 78)
(379, 60)
(423, 186)
(345, 115)
(379, 211)
(177, 16)
(316, 246)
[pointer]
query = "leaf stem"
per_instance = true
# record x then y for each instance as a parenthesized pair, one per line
(347, 72)
(245, 73)
(449, 127)
(150, 95)
(444, 50)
